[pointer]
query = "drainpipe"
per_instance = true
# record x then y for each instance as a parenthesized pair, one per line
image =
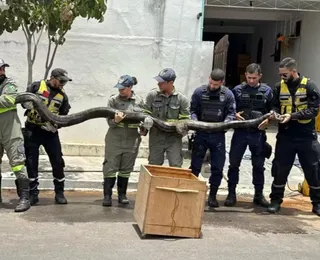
(202, 20)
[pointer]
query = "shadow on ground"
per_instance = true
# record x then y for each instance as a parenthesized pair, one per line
(294, 218)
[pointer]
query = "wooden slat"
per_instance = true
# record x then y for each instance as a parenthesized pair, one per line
(221, 53)
(171, 206)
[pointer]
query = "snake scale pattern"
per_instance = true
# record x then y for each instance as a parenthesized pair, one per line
(131, 117)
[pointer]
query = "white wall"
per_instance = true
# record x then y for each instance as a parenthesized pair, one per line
(138, 38)
(306, 49)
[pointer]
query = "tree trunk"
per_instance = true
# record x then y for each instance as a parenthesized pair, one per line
(29, 59)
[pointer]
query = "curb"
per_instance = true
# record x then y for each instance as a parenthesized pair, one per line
(97, 150)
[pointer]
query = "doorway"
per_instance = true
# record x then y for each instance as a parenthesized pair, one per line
(238, 55)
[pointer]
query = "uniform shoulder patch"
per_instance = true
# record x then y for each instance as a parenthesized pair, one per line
(11, 87)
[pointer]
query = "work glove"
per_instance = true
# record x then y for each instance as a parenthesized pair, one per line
(49, 127)
(28, 105)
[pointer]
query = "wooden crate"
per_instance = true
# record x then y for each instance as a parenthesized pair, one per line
(170, 201)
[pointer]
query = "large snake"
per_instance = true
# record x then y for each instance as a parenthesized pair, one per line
(131, 117)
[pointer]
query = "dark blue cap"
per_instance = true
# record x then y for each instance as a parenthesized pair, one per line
(124, 81)
(166, 75)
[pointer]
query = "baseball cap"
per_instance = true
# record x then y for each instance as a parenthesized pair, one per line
(166, 75)
(60, 74)
(124, 81)
(3, 64)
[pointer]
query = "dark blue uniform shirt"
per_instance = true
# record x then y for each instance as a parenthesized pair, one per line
(230, 104)
(237, 91)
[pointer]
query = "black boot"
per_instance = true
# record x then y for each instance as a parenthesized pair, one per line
(316, 209)
(34, 192)
(59, 190)
(18, 189)
(274, 207)
(122, 184)
(212, 199)
(24, 203)
(107, 191)
(260, 200)
(231, 199)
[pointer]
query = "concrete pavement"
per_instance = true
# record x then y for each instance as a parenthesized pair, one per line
(84, 229)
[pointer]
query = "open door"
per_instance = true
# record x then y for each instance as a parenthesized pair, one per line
(221, 53)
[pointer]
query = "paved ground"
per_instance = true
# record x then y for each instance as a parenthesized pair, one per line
(86, 230)
(85, 172)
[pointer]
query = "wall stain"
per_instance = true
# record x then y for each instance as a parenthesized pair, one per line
(157, 9)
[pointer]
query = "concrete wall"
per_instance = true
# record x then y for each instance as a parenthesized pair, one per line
(306, 48)
(269, 67)
(138, 38)
(264, 24)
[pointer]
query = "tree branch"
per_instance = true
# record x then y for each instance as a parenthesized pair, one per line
(48, 66)
(35, 47)
(24, 29)
(48, 53)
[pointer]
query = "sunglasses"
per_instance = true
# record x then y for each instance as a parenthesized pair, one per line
(62, 82)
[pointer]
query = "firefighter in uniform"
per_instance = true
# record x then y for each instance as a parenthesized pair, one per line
(122, 141)
(38, 132)
(253, 99)
(11, 138)
(168, 105)
(211, 103)
(297, 99)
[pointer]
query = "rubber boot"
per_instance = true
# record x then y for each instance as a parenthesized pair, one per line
(24, 203)
(108, 184)
(231, 199)
(122, 184)
(260, 200)
(212, 199)
(34, 192)
(59, 190)
(18, 189)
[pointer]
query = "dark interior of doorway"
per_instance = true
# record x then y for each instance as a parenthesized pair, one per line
(239, 44)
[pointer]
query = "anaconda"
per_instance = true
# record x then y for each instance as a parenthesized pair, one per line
(131, 117)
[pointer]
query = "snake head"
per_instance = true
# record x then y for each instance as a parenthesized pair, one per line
(182, 128)
(148, 123)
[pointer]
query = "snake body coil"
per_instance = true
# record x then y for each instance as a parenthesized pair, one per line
(131, 117)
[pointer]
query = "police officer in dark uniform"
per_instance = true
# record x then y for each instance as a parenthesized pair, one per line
(297, 99)
(211, 103)
(253, 99)
(38, 132)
